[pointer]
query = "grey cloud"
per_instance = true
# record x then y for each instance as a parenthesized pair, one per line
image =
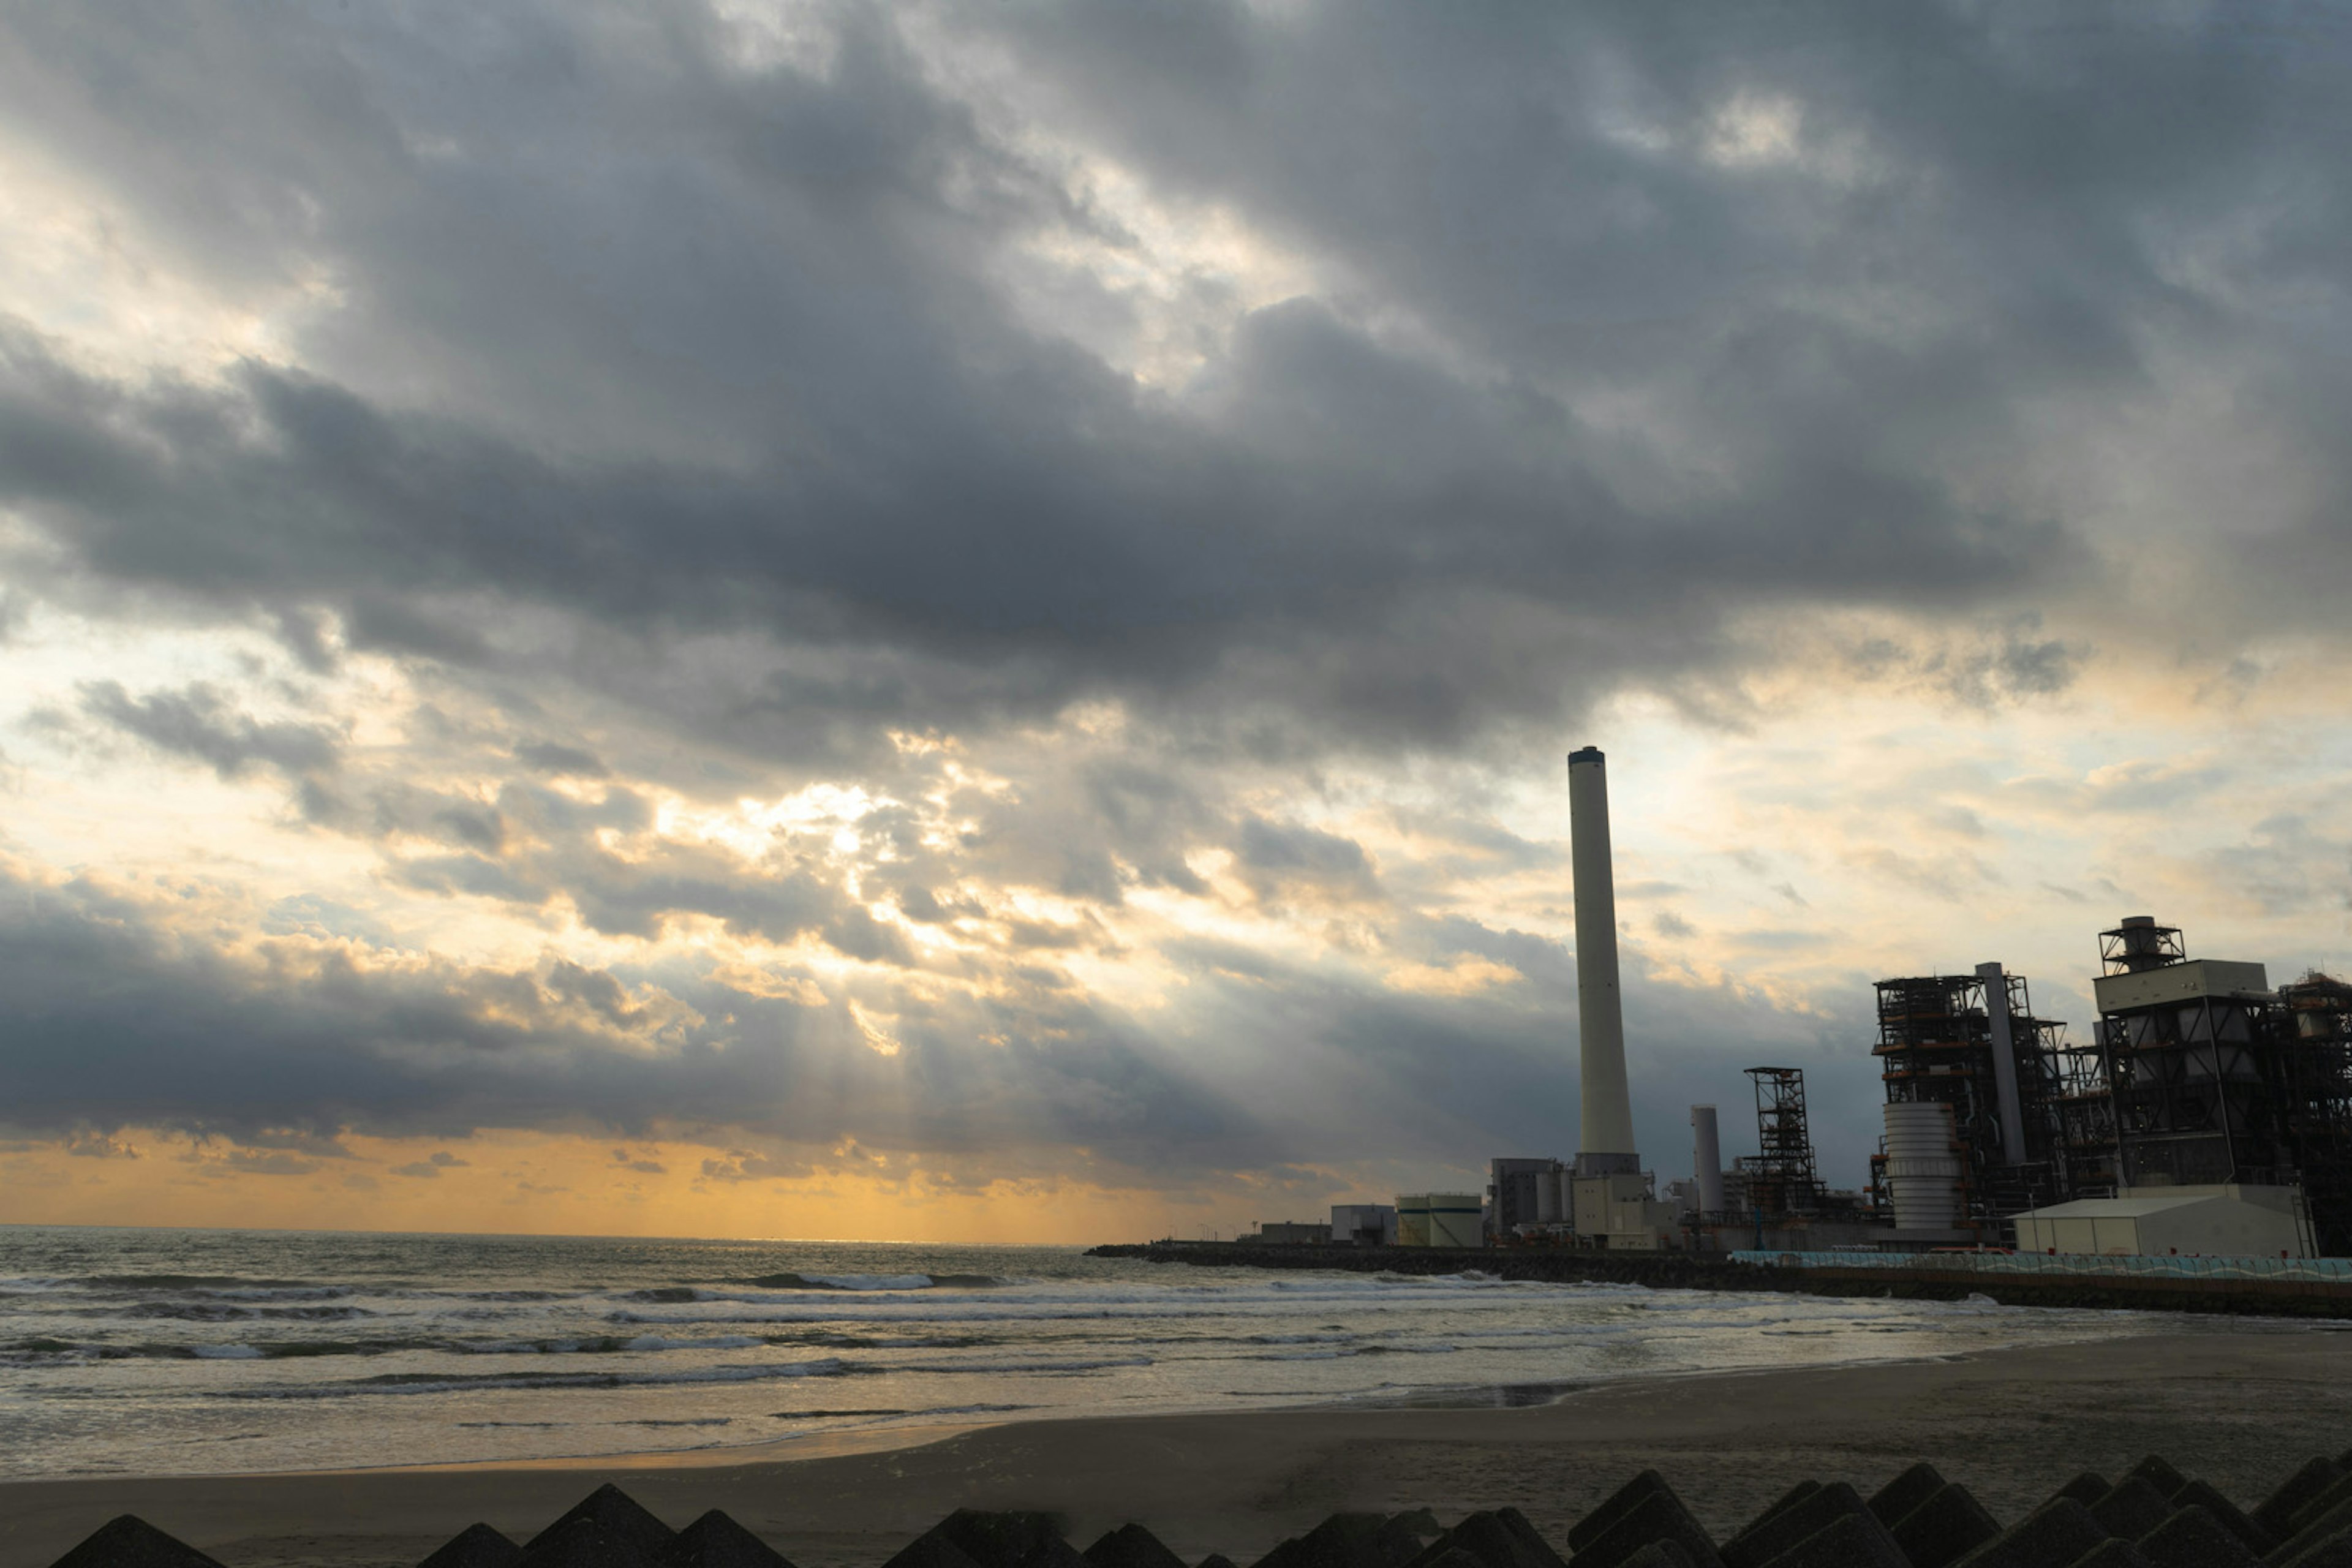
(748, 1165)
(268, 1162)
(1286, 860)
(91, 1144)
(694, 405)
(816, 420)
(549, 757)
(115, 1023)
(199, 722)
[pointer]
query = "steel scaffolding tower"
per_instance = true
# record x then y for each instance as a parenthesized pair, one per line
(1782, 1179)
(1942, 1037)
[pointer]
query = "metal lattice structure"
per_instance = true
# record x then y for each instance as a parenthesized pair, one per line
(2201, 1084)
(2215, 1079)
(1781, 1178)
(1938, 1035)
(2315, 1014)
(2087, 1121)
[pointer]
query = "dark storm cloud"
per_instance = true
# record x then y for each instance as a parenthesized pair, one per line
(714, 397)
(113, 1022)
(116, 1021)
(718, 349)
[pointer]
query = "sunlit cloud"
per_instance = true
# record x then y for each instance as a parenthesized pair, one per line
(964, 619)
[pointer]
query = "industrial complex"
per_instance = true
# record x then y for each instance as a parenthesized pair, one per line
(2208, 1115)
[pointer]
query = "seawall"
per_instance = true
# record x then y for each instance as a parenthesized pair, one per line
(1689, 1271)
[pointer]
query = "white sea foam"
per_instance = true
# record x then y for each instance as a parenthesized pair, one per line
(379, 1350)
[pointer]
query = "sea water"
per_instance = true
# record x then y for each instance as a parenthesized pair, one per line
(156, 1352)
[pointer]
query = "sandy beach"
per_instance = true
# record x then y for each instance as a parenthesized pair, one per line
(2239, 1410)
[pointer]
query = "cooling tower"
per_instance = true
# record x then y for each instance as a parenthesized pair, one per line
(1607, 1145)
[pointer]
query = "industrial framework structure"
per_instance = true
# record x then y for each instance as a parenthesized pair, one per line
(1782, 1179)
(1972, 1044)
(2207, 1113)
(2316, 1012)
(2213, 1079)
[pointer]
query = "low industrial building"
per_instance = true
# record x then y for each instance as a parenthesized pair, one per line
(1441, 1219)
(1290, 1233)
(2221, 1221)
(1365, 1225)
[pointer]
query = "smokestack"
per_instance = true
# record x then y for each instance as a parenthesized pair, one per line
(1607, 1145)
(1707, 1159)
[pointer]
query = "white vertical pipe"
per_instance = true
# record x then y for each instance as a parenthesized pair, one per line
(1707, 1159)
(1607, 1109)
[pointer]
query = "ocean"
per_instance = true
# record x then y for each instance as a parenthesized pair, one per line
(178, 1351)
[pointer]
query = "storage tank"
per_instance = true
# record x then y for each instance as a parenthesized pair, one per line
(1923, 1170)
(1455, 1220)
(1412, 1219)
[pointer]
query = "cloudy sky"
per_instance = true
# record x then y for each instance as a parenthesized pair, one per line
(961, 620)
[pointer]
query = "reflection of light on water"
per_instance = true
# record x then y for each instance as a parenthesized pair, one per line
(457, 1349)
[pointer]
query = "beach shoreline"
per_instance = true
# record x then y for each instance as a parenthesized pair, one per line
(2011, 1423)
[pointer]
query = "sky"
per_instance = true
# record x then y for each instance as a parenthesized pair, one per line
(962, 621)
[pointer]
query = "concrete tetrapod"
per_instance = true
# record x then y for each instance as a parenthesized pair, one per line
(126, 1540)
(1776, 1533)
(1657, 1517)
(2156, 1472)
(1904, 1492)
(2113, 1554)
(1614, 1507)
(618, 1515)
(579, 1541)
(2324, 1527)
(2276, 1513)
(2227, 1514)
(2193, 1538)
(475, 1546)
(1130, 1546)
(2334, 1551)
(2085, 1489)
(2131, 1509)
(2051, 1536)
(1948, 1526)
(1851, 1540)
(715, 1541)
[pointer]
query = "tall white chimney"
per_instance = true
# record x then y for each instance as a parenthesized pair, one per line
(1607, 1145)
(1707, 1159)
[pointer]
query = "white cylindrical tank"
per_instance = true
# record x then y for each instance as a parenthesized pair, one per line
(1922, 1171)
(1707, 1159)
(1412, 1219)
(1547, 1198)
(1607, 1109)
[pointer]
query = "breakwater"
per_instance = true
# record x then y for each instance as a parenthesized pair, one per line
(1949, 1279)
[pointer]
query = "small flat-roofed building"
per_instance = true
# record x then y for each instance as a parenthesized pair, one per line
(2228, 1220)
(1366, 1224)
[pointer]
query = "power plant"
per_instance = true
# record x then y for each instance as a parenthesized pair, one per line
(2207, 1115)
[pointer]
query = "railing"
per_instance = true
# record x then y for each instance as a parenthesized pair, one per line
(2067, 1265)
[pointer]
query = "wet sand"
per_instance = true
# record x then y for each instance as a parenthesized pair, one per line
(2239, 1410)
